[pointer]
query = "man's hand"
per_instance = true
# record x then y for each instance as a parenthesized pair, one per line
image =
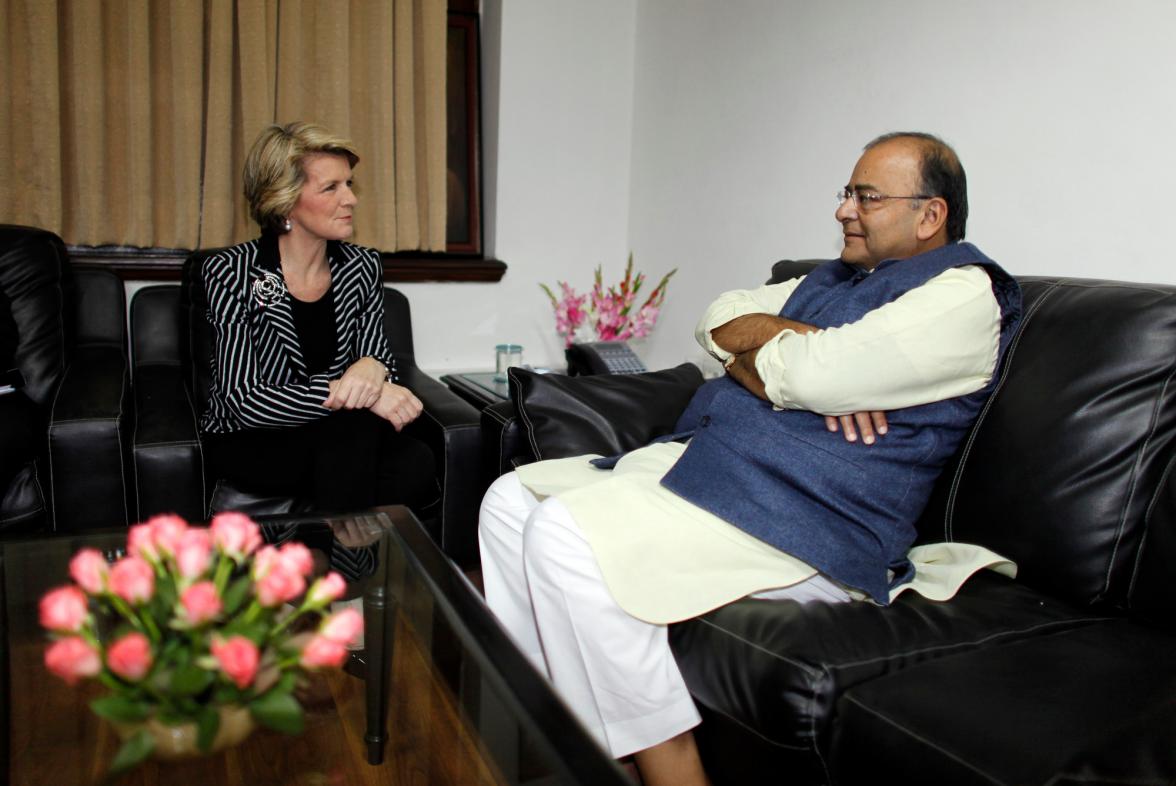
(359, 387)
(868, 423)
(397, 405)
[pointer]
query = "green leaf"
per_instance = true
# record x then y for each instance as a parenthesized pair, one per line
(236, 594)
(119, 708)
(172, 715)
(279, 711)
(165, 597)
(254, 631)
(133, 751)
(189, 680)
(207, 725)
(286, 683)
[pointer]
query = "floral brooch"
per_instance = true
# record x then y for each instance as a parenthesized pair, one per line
(269, 289)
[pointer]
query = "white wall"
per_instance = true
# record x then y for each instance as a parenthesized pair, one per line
(711, 135)
(557, 144)
(749, 115)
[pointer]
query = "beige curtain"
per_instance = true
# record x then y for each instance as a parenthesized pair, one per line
(126, 122)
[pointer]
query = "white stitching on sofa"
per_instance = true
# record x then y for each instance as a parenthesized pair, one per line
(905, 653)
(922, 739)
(1147, 526)
(205, 499)
(1007, 362)
(530, 427)
(503, 422)
(804, 666)
(1133, 482)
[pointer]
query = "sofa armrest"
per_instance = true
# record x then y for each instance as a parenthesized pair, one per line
(167, 459)
(504, 445)
(88, 426)
(450, 427)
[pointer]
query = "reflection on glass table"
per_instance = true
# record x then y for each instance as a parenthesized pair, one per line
(438, 695)
(479, 388)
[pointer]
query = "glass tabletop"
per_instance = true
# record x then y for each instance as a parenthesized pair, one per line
(480, 387)
(437, 695)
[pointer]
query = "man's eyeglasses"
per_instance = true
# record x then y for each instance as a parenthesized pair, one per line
(865, 200)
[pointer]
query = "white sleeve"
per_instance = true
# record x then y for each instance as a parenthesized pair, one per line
(768, 299)
(935, 342)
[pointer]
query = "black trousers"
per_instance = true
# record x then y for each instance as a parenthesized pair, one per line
(344, 461)
(22, 434)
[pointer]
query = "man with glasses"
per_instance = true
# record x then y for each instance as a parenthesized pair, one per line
(775, 495)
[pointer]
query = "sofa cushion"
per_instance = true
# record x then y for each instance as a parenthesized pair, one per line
(1017, 714)
(778, 667)
(35, 277)
(1140, 751)
(1068, 457)
(606, 413)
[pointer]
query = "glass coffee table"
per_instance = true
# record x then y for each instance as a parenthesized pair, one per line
(439, 694)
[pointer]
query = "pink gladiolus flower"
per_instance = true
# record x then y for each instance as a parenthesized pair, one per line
(236, 535)
(612, 312)
(63, 609)
(194, 552)
(89, 569)
(130, 657)
(132, 579)
(72, 658)
(166, 531)
(327, 589)
(200, 603)
(321, 652)
(238, 657)
(344, 626)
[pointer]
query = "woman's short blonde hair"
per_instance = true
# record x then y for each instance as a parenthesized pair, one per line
(274, 173)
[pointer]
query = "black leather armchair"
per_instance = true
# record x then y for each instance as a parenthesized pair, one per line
(1066, 674)
(167, 331)
(71, 352)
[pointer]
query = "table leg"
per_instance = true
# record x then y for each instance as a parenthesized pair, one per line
(379, 611)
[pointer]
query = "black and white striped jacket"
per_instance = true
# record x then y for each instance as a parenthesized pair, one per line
(259, 377)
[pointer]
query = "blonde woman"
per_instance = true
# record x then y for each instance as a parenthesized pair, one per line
(302, 379)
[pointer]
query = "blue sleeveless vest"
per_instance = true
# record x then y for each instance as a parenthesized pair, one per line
(844, 508)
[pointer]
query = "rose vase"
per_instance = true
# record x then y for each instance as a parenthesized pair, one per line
(179, 742)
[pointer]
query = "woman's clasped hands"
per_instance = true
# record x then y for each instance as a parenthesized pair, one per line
(363, 386)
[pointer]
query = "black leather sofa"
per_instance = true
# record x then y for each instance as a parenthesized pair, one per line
(71, 352)
(1065, 675)
(168, 330)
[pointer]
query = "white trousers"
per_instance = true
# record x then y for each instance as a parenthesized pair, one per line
(615, 671)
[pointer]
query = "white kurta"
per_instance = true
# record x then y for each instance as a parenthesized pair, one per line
(664, 559)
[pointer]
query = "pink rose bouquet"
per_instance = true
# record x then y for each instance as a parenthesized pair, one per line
(193, 619)
(612, 313)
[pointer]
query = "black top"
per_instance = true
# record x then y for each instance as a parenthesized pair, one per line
(317, 336)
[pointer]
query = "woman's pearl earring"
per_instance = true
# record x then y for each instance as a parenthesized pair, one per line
(288, 225)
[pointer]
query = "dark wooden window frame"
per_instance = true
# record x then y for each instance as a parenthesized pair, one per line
(460, 262)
